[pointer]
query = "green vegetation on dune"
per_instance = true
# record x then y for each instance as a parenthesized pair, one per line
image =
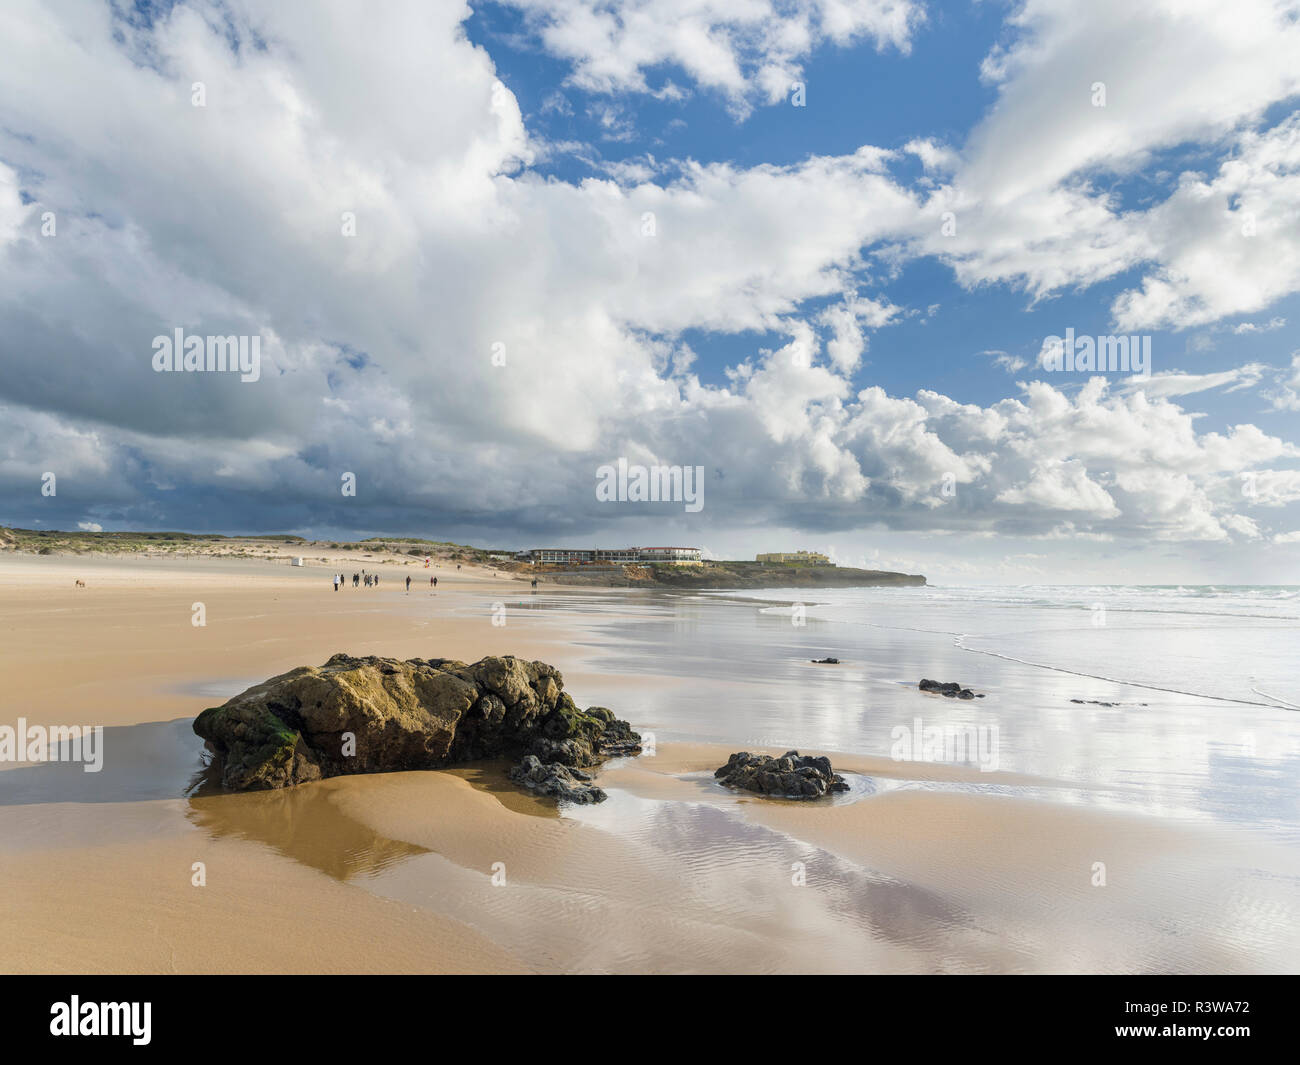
(406, 540)
(80, 542)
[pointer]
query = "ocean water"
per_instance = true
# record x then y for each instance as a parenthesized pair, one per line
(1205, 681)
(1230, 643)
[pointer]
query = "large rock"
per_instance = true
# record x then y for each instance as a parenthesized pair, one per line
(378, 715)
(792, 776)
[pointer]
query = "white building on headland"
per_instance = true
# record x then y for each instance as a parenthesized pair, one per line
(609, 556)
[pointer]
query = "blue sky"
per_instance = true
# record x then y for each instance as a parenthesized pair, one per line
(859, 95)
(864, 95)
(433, 219)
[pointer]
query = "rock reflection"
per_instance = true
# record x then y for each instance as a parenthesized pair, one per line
(302, 823)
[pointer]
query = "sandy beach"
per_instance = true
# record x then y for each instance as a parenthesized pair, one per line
(124, 652)
(919, 868)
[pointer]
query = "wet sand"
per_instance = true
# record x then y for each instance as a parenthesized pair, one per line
(920, 868)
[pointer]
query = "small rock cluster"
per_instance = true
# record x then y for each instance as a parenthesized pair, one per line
(792, 776)
(951, 690)
(562, 782)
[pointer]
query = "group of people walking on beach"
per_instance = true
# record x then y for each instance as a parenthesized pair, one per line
(370, 580)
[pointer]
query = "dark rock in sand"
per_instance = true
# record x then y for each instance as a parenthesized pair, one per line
(574, 785)
(417, 714)
(951, 690)
(792, 776)
(825, 661)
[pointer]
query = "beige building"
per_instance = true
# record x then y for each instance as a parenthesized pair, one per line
(794, 558)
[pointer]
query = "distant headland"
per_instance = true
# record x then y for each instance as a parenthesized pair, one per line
(632, 567)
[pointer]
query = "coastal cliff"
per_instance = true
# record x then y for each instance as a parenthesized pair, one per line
(723, 575)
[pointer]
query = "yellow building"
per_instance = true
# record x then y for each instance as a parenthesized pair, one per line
(794, 558)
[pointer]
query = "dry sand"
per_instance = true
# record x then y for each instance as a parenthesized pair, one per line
(456, 871)
(124, 649)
